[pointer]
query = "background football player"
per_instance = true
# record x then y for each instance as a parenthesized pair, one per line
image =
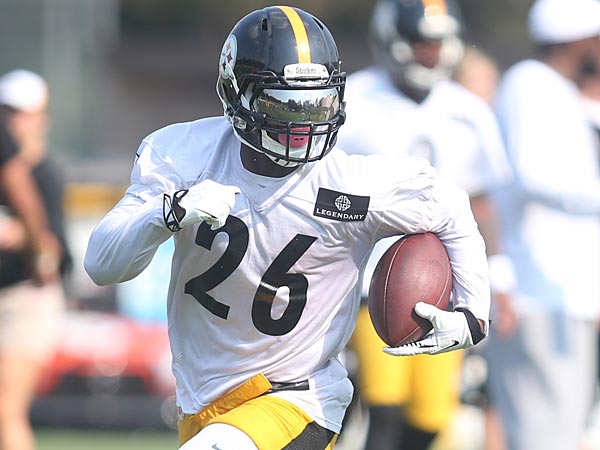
(272, 226)
(406, 103)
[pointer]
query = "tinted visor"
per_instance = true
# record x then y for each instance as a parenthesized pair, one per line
(307, 105)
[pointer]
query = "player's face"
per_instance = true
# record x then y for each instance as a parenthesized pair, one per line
(28, 126)
(427, 53)
(300, 118)
(591, 56)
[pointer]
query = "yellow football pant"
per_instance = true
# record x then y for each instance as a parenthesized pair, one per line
(427, 386)
(271, 422)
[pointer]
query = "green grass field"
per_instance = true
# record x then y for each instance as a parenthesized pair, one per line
(65, 439)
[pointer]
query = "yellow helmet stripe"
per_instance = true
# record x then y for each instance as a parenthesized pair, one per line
(299, 33)
(440, 5)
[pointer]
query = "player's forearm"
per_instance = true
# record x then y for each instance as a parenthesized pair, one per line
(457, 229)
(125, 241)
(502, 273)
(487, 221)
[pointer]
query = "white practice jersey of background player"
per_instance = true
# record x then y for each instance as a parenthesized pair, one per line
(275, 290)
(452, 128)
(563, 196)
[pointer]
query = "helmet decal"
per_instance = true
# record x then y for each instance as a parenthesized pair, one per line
(435, 7)
(437, 20)
(299, 33)
(228, 57)
(305, 71)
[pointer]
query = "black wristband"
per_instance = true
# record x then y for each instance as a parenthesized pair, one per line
(169, 210)
(477, 333)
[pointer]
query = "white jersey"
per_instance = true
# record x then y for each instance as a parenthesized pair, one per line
(552, 215)
(452, 128)
(275, 290)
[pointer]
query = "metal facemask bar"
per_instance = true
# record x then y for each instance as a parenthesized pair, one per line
(268, 86)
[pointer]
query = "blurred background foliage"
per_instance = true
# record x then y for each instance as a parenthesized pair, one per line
(118, 69)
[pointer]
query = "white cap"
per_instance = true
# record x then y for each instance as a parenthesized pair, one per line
(561, 21)
(23, 90)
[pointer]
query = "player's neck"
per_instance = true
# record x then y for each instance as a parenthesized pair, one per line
(417, 95)
(260, 164)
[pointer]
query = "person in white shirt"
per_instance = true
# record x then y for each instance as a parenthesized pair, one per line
(407, 103)
(272, 225)
(542, 377)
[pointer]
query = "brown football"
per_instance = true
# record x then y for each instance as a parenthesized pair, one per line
(414, 269)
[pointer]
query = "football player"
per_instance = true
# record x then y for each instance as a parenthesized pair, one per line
(406, 102)
(272, 226)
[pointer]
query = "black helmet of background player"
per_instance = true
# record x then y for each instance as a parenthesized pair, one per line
(400, 29)
(281, 85)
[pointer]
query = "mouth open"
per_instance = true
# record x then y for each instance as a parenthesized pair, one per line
(295, 141)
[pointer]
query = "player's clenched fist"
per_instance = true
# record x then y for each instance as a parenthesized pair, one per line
(207, 201)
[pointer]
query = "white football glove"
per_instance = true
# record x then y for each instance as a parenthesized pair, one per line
(207, 201)
(451, 331)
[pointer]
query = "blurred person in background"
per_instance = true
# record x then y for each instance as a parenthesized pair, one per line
(590, 94)
(272, 225)
(21, 192)
(406, 102)
(590, 91)
(30, 310)
(542, 377)
(479, 72)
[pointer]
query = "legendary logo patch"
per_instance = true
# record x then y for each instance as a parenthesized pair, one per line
(339, 206)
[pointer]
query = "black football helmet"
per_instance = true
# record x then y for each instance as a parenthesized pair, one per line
(397, 24)
(281, 84)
